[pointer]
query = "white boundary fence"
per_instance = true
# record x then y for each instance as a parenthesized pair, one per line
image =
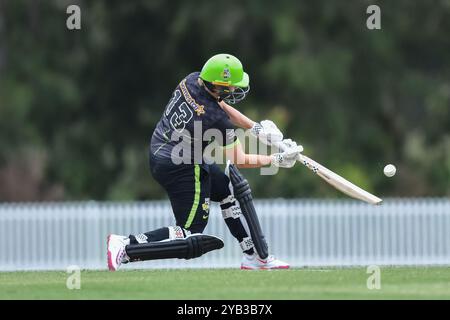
(52, 236)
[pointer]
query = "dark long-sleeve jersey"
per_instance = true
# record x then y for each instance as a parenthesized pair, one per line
(184, 125)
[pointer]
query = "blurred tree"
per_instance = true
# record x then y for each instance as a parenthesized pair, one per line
(80, 106)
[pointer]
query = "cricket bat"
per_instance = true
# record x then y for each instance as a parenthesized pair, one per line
(338, 182)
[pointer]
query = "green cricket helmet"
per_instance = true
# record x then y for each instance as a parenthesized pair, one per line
(224, 74)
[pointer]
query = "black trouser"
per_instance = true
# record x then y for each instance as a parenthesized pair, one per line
(190, 188)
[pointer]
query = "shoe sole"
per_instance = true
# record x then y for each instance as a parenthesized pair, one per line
(110, 264)
(263, 268)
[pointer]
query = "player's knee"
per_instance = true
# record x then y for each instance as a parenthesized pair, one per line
(219, 184)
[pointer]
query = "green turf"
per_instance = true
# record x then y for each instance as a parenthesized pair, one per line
(310, 283)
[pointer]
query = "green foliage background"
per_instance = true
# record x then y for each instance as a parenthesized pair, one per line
(77, 108)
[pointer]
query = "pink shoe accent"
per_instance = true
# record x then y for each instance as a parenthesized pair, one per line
(261, 260)
(110, 265)
(119, 257)
(246, 268)
(281, 267)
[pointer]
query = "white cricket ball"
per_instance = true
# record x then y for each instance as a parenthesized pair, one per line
(389, 170)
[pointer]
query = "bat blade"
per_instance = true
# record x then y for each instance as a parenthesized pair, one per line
(339, 182)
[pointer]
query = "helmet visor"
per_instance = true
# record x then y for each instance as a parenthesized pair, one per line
(235, 95)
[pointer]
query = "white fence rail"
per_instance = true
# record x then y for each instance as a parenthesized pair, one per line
(303, 232)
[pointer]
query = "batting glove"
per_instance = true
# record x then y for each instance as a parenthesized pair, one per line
(288, 157)
(267, 132)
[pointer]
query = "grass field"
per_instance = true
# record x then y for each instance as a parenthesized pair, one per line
(309, 283)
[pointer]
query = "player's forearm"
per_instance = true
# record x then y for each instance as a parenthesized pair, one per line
(243, 160)
(236, 117)
(253, 161)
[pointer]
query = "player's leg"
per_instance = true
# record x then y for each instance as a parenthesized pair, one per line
(231, 210)
(191, 246)
(243, 225)
(188, 189)
(189, 197)
(116, 244)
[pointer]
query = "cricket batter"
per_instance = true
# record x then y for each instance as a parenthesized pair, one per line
(202, 101)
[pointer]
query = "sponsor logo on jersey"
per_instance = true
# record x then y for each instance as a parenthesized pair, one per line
(205, 206)
(199, 109)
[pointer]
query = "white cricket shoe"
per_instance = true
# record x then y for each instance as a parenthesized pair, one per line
(116, 251)
(254, 262)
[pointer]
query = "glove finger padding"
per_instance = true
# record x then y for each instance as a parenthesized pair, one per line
(272, 132)
(288, 157)
(283, 161)
(292, 152)
(267, 132)
(290, 144)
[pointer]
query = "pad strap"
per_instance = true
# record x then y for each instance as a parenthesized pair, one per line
(141, 238)
(232, 208)
(230, 199)
(232, 212)
(246, 244)
(176, 232)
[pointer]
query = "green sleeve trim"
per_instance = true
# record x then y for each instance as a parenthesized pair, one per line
(196, 197)
(232, 145)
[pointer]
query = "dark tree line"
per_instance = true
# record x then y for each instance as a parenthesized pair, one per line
(77, 108)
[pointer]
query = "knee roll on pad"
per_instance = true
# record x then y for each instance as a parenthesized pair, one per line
(243, 194)
(193, 246)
